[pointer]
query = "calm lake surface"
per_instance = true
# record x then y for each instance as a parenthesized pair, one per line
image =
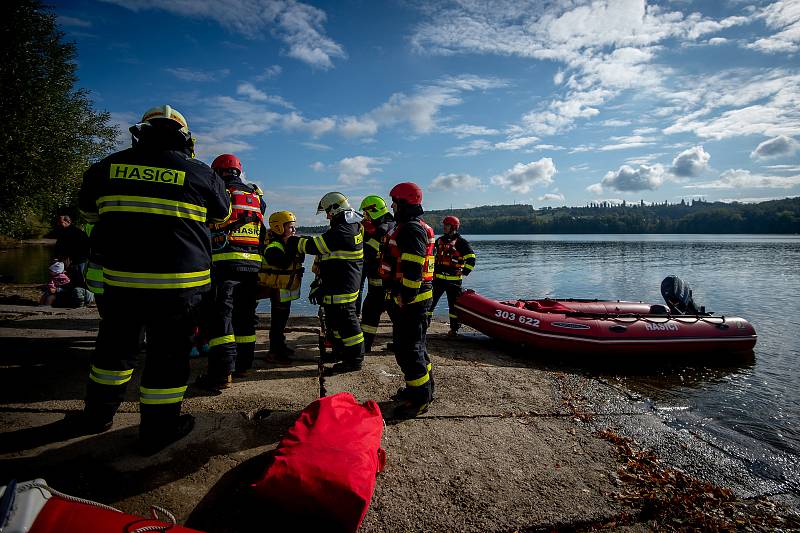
(750, 407)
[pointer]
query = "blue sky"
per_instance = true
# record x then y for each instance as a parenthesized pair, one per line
(543, 102)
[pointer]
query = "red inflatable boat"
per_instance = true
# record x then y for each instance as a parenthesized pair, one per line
(594, 327)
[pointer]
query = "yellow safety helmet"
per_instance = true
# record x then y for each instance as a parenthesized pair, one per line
(166, 112)
(333, 203)
(278, 219)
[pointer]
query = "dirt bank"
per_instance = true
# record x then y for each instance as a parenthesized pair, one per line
(508, 445)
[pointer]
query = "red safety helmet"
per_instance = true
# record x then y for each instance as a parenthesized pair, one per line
(226, 162)
(408, 192)
(453, 221)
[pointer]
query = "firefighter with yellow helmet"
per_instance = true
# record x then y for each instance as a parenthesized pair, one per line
(341, 253)
(153, 202)
(281, 273)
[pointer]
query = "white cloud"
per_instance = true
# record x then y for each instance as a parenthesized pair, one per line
(296, 122)
(468, 130)
(551, 197)
(522, 176)
(625, 143)
(716, 41)
(358, 127)
(272, 71)
(783, 16)
(744, 179)
(775, 147)
(187, 74)
(317, 166)
(353, 170)
(465, 182)
(690, 163)
(250, 91)
(298, 25)
(628, 179)
(73, 22)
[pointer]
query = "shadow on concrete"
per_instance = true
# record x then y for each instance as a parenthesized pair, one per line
(90, 325)
(105, 467)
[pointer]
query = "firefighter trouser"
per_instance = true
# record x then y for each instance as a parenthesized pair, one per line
(169, 321)
(409, 329)
(232, 329)
(279, 317)
(344, 329)
(371, 312)
(453, 290)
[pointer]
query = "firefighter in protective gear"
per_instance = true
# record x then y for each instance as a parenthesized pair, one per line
(340, 251)
(381, 223)
(455, 259)
(281, 273)
(408, 266)
(236, 260)
(152, 203)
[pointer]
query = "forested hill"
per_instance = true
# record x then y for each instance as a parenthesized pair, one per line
(775, 216)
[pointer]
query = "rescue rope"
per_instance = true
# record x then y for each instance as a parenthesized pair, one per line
(321, 366)
(154, 509)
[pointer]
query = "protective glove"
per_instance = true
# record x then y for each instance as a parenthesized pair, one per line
(315, 294)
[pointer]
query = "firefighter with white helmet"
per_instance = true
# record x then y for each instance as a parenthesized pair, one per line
(341, 253)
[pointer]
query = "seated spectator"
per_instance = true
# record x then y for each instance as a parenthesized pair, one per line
(57, 285)
(72, 248)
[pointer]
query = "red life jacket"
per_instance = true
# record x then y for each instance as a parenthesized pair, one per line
(390, 261)
(244, 225)
(447, 256)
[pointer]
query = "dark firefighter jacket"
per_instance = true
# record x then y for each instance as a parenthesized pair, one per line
(341, 256)
(234, 253)
(153, 202)
(414, 250)
(454, 257)
(372, 248)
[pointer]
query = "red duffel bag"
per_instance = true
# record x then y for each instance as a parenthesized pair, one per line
(324, 469)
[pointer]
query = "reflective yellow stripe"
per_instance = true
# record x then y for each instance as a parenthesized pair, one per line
(154, 206)
(451, 315)
(90, 216)
(468, 267)
(161, 396)
(148, 280)
(319, 242)
(375, 282)
(411, 283)
(340, 298)
(467, 256)
(373, 244)
(355, 339)
(420, 381)
(346, 255)
(221, 340)
(366, 328)
(412, 257)
(418, 298)
(236, 256)
(109, 377)
(277, 244)
(288, 295)
(429, 366)
(448, 277)
(94, 278)
(243, 339)
(301, 244)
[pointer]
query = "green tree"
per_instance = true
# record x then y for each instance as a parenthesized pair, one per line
(50, 131)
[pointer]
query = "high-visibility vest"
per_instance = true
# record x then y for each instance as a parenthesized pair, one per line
(390, 261)
(271, 277)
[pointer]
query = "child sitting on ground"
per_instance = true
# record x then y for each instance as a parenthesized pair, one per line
(57, 284)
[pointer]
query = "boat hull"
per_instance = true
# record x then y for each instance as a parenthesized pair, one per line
(594, 327)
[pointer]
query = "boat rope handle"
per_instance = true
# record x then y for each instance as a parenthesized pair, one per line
(633, 318)
(154, 509)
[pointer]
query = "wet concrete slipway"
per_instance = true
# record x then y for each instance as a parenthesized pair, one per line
(509, 444)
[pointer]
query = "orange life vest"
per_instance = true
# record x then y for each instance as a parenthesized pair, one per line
(390, 260)
(447, 256)
(244, 225)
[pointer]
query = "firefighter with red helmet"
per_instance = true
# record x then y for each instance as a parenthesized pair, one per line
(455, 259)
(381, 223)
(236, 257)
(340, 252)
(153, 202)
(408, 267)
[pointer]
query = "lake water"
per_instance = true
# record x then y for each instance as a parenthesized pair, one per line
(750, 407)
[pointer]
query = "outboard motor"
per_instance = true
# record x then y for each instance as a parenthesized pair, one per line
(678, 296)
